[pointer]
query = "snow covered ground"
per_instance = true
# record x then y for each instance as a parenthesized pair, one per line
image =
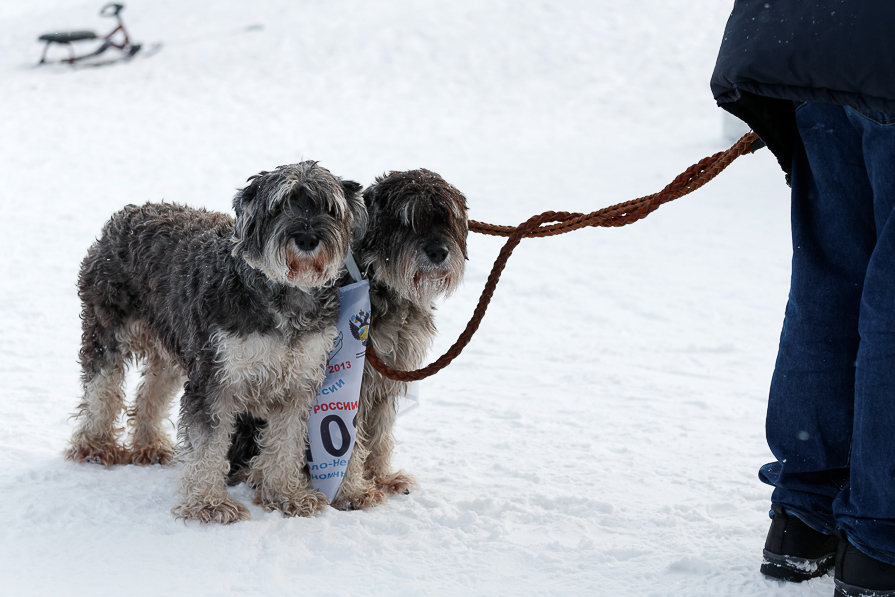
(602, 432)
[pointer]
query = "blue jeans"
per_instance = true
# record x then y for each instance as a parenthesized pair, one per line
(831, 411)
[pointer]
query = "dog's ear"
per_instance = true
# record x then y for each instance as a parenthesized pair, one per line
(244, 205)
(349, 187)
(356, 207)
(370, 195)
(247, 195)
(373, 192)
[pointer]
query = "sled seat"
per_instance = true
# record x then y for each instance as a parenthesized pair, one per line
(66, 37)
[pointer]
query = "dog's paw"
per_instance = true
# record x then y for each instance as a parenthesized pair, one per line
(306, 504)
(393, 483)
(102, 453)
(359, 501)
(224, 511)
(161, 453)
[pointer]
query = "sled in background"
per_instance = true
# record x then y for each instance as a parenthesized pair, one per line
(118, 38)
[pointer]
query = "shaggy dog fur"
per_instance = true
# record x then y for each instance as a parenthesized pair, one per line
(244, 310)
(413, 253)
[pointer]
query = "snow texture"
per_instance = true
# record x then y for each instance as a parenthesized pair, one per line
(602, 432)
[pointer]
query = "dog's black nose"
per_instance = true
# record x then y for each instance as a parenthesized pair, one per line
(436, 252)
(306, 241)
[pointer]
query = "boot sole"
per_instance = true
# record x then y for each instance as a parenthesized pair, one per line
(794, 569)
(844, 590)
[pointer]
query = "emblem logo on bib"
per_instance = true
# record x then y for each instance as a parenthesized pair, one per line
(360, 326)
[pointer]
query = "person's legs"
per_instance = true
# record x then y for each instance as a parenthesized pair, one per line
(865, 509)
(811, 402)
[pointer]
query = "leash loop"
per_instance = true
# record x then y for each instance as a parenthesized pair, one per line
(552, 223)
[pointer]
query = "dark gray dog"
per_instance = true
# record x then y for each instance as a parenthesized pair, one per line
(244, 310)
(414, 252)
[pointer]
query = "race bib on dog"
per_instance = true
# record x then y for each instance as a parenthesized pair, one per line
(332, 425)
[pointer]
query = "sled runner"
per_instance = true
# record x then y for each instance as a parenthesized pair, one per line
(118, 38)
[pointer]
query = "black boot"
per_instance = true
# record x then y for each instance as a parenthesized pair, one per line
(794, 551)
(859, 575)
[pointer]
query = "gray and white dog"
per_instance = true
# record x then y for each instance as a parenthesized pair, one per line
(244, 310)
(414, 252)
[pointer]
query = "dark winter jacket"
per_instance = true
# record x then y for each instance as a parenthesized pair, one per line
(777, 52)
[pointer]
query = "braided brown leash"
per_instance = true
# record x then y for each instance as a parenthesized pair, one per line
(617, 215)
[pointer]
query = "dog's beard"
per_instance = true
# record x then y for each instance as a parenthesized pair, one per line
(310, 269)
(431, 283)
(414, 277)
(286, 264)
